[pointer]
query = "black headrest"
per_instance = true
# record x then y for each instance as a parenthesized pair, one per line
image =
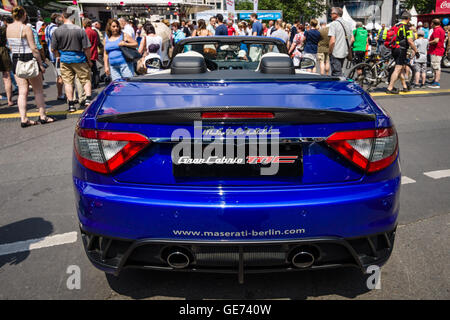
(276, 64)
(188, 63)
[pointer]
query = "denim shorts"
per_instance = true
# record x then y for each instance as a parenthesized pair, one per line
(121, 71)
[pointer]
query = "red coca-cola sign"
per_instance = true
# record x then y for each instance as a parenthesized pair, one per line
(442, 6)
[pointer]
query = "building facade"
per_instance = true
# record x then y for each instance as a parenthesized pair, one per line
(216, 4)
(366, 11)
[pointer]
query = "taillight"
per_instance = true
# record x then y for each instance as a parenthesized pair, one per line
(371, 150)
(238, 115)
(106, 151)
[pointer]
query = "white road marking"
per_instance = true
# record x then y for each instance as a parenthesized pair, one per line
(406, 180)
(32, 244)
(438, 174)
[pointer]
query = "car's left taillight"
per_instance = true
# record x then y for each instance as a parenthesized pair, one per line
(106, 151)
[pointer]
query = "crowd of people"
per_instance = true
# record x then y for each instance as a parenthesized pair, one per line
(417, 45)
(77, 52)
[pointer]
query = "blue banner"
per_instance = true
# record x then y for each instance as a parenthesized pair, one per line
(261, 15)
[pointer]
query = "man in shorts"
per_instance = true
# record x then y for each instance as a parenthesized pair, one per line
(404, 40)
(323, 59)
(436, 50)
(72, 45)
(360, 38)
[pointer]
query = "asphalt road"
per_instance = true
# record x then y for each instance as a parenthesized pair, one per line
(36, 201)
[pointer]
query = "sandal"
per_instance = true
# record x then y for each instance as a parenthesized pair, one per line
(47, 119)
(28, 123)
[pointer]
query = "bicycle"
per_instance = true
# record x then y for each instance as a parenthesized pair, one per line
(370, 74)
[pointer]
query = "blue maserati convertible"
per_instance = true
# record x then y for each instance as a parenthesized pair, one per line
(233, 160)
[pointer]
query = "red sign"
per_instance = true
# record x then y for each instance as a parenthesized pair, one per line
(442, 6)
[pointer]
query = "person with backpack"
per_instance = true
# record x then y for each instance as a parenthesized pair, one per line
(399, 38)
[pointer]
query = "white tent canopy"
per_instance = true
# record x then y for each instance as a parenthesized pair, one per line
(347, 18)
(370, 26)
(413, 16)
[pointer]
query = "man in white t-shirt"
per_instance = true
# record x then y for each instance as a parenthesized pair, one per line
(39, 24)
(211, 27)
(127, 27)
(271, 28)
(340, 34)
(279, 32)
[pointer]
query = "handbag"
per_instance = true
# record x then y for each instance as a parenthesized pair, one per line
(350, 52)
(130, 54)
(26, 69)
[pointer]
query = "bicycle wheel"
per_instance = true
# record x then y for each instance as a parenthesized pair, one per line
(430, 75)
(362, 74)
(445, 62)
(408, 74)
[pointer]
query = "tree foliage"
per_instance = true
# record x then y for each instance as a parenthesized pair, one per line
(292, 9)
(42, 3)
(422, 6)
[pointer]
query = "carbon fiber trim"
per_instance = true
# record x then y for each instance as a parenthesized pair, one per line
(281, 115)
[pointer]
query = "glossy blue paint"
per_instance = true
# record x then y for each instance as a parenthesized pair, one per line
(123, 97)
(133, 211)
(143, 200)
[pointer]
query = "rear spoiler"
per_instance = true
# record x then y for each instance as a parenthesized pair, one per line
(278, 115)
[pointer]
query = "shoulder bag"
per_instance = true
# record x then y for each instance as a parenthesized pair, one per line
(350, 53)
(26, 69)
(130, 54)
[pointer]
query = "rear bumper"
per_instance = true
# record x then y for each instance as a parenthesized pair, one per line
(240, 214)
(113, 255)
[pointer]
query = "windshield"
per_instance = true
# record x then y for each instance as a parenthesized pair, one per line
(234, 55)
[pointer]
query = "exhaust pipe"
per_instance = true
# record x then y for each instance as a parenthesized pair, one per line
(178, 260)
(303, 259)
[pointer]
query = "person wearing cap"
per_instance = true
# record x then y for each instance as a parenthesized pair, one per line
(404, 40)
(420, 26)
(242, 55)
(420, 63)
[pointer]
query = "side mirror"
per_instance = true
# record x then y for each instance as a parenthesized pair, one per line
(306, 63)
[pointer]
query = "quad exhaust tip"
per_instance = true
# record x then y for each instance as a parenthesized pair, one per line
(304, 256)
(303, 259)
(178, 260)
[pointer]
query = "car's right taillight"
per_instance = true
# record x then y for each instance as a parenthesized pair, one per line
(372, 150)
(106, 151)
